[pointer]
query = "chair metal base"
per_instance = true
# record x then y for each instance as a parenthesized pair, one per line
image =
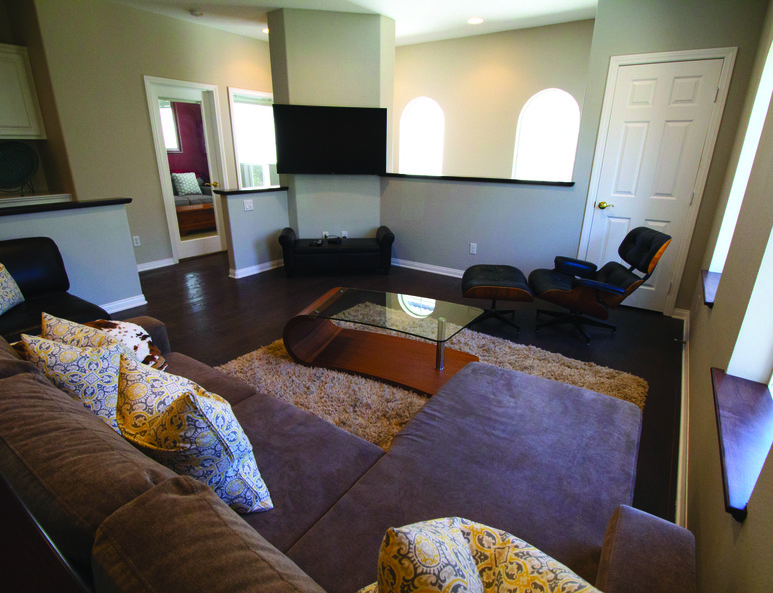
(500, 315)
(574, 318)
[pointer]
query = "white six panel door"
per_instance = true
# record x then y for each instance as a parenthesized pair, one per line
(659, 121)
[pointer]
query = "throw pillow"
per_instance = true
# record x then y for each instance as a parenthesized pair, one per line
(10, 295)
(85, 336)
(90, 375)
(133, 337)
(185, 184)
(191, 431)
(416, 557)
(427, 556)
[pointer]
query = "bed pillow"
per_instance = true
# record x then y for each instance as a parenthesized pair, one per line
(89, 375)
(191, 431)
(185, 184)
(10, 294)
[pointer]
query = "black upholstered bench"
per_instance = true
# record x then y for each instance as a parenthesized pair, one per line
(505, 283)
(324, 255)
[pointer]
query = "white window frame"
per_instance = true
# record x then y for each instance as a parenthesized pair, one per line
(261, 97)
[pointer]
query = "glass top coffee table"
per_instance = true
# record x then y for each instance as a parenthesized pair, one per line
(393, 337)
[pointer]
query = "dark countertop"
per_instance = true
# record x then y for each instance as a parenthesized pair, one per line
(53, 207)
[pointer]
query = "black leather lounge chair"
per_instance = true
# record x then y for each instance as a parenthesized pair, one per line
(585, 290)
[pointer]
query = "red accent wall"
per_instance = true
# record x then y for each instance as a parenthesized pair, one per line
(191, 130)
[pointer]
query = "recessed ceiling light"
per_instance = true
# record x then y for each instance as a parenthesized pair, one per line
(265, 30)
(475, 20)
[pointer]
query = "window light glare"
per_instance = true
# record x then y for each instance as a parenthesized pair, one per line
(476, 20)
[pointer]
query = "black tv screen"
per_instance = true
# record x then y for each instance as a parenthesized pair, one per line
(321, 140)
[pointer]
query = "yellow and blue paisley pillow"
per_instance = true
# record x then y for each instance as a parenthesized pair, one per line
(10, 295)
(191, 431)
(75, 334)
(436, 556)
(90, 375)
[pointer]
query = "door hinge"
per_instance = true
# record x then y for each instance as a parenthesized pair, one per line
(670, 285)
(692, 198)
(716, 95)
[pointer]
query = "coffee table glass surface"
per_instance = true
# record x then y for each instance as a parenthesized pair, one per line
(421, 317)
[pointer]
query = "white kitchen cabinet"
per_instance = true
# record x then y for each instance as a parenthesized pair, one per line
(19, 110)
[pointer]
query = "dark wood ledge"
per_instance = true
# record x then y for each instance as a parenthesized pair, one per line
(480, 180)
(745, 425)
(53, 207)
(257, 190)
(710, 282)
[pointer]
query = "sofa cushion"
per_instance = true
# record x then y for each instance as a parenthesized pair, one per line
(307, 463)
(25, 317)
(229, 388)
(10, 295)
(68, 467)
(191, 431)
(179, 537)
(90, 375)
(518, 435)
(11, 363)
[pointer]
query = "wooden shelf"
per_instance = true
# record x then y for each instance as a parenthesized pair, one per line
(745, 425)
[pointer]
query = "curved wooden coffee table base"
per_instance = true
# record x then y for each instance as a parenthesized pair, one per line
(393, 359)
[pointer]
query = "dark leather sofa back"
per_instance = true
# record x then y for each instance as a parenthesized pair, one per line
(35, 264)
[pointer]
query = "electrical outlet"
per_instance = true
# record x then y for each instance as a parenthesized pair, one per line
(136, 240)
(344, 234)
(325, 234)
(248, 206)
(473, 248)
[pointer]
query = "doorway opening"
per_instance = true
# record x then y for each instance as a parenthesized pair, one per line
(189, 153)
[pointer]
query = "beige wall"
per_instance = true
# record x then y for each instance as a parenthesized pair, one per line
(97, 53)
(337, 59)
(482, 83)
(732, 556)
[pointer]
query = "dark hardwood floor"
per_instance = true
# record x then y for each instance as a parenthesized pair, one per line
(214, 318)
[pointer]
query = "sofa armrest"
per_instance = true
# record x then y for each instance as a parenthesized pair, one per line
(385, 238)
(642, 552)
(575, 267)
(287, 240)
(157, 331)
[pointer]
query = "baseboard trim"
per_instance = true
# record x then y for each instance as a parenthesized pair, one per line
(123, 304)
(152, 265)
(252, 270)
(422, 267)
(684, 424)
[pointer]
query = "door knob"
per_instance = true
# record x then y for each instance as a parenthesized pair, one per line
(215, 184)
(604, 205)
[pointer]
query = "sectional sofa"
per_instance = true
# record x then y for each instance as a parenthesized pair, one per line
(550, 463)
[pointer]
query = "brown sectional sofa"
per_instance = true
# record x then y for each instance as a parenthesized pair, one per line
(550, 463)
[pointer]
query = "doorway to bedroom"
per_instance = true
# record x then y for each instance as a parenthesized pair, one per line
(186, 134)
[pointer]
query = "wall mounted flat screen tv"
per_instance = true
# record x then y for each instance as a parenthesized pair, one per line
(330, 140)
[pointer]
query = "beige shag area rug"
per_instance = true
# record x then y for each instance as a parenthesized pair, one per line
(376, 411)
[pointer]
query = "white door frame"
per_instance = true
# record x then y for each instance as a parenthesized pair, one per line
(727, 54)
(216, 154)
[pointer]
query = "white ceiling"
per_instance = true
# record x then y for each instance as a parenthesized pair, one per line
(416, 21)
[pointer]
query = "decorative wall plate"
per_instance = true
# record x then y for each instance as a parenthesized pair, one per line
(18, 165)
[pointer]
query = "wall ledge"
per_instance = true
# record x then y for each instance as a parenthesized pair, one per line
(745, 425)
